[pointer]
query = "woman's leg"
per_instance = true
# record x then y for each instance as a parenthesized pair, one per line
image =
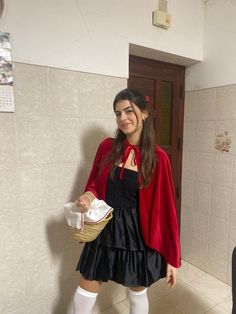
(138, 300)
(85, 296)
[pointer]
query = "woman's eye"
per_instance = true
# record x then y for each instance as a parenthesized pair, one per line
(128, 111)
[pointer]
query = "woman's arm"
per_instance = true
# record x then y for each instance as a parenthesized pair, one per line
(91, 190)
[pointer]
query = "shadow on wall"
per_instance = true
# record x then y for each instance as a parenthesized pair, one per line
(65, 250)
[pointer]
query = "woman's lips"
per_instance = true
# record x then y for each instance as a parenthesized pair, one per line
(125, 125)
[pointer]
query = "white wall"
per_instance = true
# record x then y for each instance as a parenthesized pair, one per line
(219, 56)
(94, 36)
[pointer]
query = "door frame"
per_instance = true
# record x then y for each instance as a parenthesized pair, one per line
(176, 73)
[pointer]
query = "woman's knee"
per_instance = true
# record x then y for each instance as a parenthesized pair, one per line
(90, 285)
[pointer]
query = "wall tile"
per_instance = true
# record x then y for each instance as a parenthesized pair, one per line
(186, 212)
(62, 301)
(10, 193)
(11, 246)
(189, 138)
(68, 181)
(222, 170)
(225, 102)
(34, 235)
(8, 153)
(187, 193)
(199, 244)
(216, 263)
(185, 246)
(220, 201)
(234, 175)
(200, 105)
(35, 187)
(233, 205)
(66, 140)
(63, 249)
(188, 165)
(208, 113)
(203, 167)
(200, 225)
(91, 132)
(65, 267)
(198, 252)
(38, 278)
(229, 126)
(12, 289)
(202, 197)
(40, 306)
(92, 96)
(34, 140)
(30, 89)
(204, 136)
(219, 233)
(232, 231)
(206, 104)
(190, 107)
(112, 87)
(63, 92)
(185, 235)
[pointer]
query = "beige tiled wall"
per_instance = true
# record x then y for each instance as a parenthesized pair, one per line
(208, 231)
(46, 150)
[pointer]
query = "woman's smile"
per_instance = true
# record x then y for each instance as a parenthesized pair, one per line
(129, 119)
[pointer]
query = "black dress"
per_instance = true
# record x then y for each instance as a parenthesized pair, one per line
(119, 253)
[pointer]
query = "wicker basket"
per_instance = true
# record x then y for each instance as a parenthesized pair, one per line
(91, 230)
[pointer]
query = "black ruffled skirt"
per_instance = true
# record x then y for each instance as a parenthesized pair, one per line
(119, 253)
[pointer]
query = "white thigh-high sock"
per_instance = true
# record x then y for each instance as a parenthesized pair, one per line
(138, 302)
(83, 301)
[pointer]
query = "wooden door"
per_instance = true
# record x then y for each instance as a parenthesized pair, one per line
(163, 85)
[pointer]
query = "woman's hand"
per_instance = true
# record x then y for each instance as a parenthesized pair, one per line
(84, 201)
(171, 276)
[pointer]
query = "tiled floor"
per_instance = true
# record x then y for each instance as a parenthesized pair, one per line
(195, 293)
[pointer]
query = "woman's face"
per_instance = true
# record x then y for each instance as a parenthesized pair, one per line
(129, 118)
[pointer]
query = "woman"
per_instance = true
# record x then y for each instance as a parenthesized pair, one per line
(140, 244)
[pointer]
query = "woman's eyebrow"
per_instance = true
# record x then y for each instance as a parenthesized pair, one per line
(123, 109)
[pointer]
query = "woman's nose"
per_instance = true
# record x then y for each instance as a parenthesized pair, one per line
(122, 115)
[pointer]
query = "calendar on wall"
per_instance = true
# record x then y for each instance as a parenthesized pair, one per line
(6, 76)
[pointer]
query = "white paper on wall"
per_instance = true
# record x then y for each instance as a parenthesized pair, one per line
(6, 77)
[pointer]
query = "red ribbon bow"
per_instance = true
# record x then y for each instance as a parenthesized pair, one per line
(137, 156)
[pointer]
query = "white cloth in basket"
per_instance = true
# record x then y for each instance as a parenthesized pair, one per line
(97, 212)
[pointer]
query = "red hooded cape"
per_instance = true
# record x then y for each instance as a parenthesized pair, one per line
(158, 217)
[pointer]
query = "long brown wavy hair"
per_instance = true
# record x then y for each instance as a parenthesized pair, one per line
(147, 138)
